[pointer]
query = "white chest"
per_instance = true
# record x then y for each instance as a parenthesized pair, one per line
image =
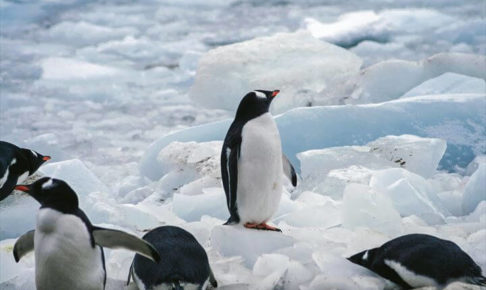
(64, 256)
(259, 170)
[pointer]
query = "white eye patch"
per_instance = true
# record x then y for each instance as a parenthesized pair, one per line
(33, 152)
(260, 94)
(48, 184)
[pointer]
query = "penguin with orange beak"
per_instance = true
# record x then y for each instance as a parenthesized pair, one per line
(252, 163)
(16, 164)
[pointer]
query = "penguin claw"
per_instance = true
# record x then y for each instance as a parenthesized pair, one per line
(262, 226)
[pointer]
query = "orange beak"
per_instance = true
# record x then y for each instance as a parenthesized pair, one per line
(275, 93)
(45, 158)
(22, 188)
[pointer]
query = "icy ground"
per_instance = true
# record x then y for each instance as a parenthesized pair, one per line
(132, 101)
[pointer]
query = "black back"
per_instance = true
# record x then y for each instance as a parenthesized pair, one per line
(26, 161)
(441, 260)
(182, 259)
(251, 106)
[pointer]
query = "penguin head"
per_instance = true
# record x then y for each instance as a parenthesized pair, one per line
(255, 103)
(364, 258)
(33, 159)
(52, 193)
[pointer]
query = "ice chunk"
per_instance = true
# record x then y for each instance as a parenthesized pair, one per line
(191, 166)
(76, 174)
(18, 215)
(448, 83)
(475, 190)
(474, 165)
(247, 243)
(377, 83)
(329, 170)
(410, 193)
(192, 207)
(84, 33)
(276, 270)
(365, 207)
(418, 155)
(299, 66)
(315, 211)
(352, 28)
(459, 121)
(60, 69)
(337, 273)
(15, 275)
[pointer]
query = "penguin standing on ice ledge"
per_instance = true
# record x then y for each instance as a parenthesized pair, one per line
(252, 163)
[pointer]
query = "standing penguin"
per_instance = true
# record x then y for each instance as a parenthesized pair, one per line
(68, 248)
(16, 164)
(252, 163)
(419, 260)
(184, 263)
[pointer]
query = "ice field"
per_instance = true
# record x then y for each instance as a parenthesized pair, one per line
(382, 111)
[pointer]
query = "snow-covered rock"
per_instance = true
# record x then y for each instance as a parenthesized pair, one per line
(249, 244)
(475, 190)
(295, 63)
(457, 119)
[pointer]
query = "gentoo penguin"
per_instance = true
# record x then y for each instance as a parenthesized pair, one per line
(419, 260)
(252, 163)
(68, 248)
(16, 164)
(183, 262)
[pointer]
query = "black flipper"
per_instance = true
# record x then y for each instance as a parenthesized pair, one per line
(229, 172)
(118, 239)
(289, 170)
(24, 245)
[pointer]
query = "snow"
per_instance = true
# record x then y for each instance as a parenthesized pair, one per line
(381, 113)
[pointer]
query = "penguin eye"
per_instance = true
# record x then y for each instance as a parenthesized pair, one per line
(260, 95)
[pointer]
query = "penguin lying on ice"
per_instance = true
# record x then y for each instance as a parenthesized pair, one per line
(252, 162)
(68, 248)
(419, 260)
(184, 263)
(16, 164)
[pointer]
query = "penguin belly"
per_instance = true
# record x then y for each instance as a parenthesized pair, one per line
(259, 170)
(64, 257)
